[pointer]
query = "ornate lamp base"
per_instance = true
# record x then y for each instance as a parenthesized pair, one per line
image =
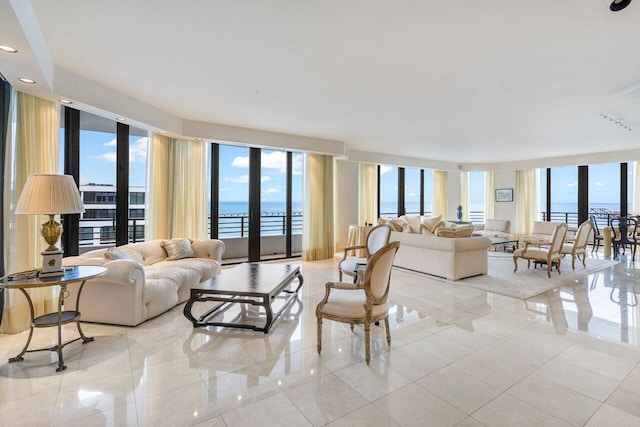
(51, 264)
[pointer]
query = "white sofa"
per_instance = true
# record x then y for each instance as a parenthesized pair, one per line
(451, 258)
(494, 228)
(542, 230)
(143, 282)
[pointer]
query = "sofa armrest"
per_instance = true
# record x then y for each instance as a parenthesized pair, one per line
(210, 248)
(123, 272)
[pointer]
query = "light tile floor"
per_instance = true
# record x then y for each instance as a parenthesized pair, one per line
(459, 356)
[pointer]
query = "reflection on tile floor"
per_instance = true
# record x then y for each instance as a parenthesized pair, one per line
(459, 356)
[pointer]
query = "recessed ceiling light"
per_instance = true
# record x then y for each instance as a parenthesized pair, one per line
(162, 131)
(8, 49)
(121, 119)
(24, 80)
(65, 101)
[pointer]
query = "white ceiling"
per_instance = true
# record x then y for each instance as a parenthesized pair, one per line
(465, 82)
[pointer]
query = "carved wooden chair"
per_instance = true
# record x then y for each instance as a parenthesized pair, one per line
(377, 238)
(550, 255)
(364, 302)
(579, 245)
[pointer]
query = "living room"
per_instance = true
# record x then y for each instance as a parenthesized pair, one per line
(511, 92)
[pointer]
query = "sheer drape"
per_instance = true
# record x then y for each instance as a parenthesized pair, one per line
(489, 196)
(33, 148)
(439, 206)
(526, 202)
(177, 201)
(465, 201)
(317, 234)
(368, 193)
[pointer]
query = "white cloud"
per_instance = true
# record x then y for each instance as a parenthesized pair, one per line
(384, 169)
(272, 160)
(272, 190)
(137, 152)
(242, 179)
(600, 184)
(265, 178)
(572, 184)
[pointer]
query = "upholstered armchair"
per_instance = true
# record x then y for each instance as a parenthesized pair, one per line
(377, 238)
(579, 245)
(549, 255)
(364, 302)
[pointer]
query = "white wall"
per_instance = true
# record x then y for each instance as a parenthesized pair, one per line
(345, 182)
(505, 210)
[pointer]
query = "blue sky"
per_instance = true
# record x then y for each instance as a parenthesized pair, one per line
(98, 166)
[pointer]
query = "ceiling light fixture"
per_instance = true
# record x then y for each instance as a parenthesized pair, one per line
(616, 121)
(616, 5)
(25, 80)
(121, 119)
(65, 101)
(8, 49)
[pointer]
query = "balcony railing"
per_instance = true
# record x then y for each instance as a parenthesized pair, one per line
(229, 225)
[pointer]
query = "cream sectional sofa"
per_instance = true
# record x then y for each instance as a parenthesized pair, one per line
(494, 228)
(451, 258)
(141, 280)
(432, 246)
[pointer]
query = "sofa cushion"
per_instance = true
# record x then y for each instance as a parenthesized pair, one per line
(498, 225)
(178, 249)
(455, 232)
(123, 252)
(414, 224)
(431, 222)
(205, 268)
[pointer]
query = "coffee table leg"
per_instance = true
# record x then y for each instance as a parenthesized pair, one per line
(267, 308)
(187, 310)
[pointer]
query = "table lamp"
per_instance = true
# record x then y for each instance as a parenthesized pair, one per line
(48, 194)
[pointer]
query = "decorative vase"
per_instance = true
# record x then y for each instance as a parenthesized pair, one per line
(459, 213)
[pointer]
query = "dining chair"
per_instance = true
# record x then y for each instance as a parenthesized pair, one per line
(376, 239)
(597, 235)
(625, 231)
(364, 302)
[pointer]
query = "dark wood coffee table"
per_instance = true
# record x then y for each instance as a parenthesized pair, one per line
(248, 283)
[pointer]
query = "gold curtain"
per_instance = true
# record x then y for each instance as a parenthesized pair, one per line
(526, 198)
(177, 200)
(33, 148)
(368, 193)
(317, 235)
(439, 194)
(489, 196)
(464, 195)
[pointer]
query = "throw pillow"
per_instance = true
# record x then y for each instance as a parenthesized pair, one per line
(398, 224)
(116, 253)
(414, 223)
(446, 232)
(431, 223)
(178, 249)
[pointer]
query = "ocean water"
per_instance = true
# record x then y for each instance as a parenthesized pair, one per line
(242, 208)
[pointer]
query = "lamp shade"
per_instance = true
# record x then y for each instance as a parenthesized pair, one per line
(49, 194)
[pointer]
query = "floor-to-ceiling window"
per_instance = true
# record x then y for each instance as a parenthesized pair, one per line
(476, 197)
(98, 178)
(388, 190)
(428, 191)
(564, 194)
(138, 140)
(412, 191)
(279, 217)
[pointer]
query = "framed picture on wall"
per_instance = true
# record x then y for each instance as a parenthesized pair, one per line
(504, 194)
